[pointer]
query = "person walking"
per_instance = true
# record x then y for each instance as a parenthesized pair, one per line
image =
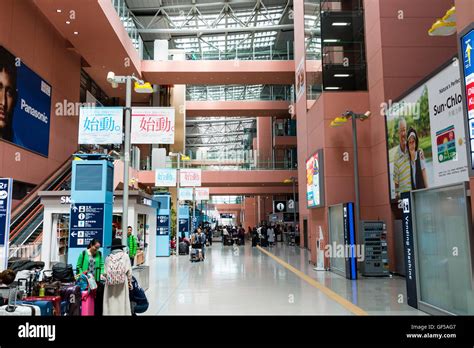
(91, 261)
(118, 281)
(132, 245)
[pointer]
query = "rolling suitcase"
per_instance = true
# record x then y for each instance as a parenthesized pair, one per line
(55, 300)
(71, 293)
(183, 248)
(19, 310)
(14, 309)
(87, 306)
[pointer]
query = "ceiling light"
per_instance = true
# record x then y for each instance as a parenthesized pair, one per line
(59, 11)
(342, 75)
(67, 22)
(332, 88)
(331, 40)
(76, 33)
(340, 24)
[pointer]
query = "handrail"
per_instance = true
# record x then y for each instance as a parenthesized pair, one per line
(16, 213)
(25, 221)
(33, 230)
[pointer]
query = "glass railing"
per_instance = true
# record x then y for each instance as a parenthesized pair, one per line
(129, 25)
(253, 52)
(238, 92)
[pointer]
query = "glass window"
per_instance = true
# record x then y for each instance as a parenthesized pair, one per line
(443, 252)
(336, 237)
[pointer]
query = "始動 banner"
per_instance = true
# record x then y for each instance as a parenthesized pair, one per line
(152, 126)
(100, 125)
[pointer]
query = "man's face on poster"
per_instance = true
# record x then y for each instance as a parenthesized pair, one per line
(402, 132)
(7, 98)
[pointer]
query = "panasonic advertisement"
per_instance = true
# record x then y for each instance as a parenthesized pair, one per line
(25, 105)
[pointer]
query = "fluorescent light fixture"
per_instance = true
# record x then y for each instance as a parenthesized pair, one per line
(340, 24)
(342, 75)
(76, 33)
(331, 40)
(59, 11)
(332, 88)
(67, 22)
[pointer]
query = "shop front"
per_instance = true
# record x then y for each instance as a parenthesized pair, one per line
(142, 213)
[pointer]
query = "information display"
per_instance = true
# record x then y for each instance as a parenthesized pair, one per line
(162, 225)
(87, 222)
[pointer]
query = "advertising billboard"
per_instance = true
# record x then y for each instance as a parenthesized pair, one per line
(201, 193)
(165, 177)
(314, 180)
(190, 177)
(426, 134)
(152, 126)
(26, 106)
(100, 125)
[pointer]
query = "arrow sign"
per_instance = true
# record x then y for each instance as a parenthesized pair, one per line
(73, 234)
(74, 208)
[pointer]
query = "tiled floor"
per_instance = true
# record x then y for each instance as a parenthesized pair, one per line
(243, 280)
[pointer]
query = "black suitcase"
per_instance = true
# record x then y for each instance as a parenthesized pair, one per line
(183, 248)
(228, 241)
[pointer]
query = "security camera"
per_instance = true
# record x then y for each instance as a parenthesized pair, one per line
(368, 113)
(111, 77)
(114, 85)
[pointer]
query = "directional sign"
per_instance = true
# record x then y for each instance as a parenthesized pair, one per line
(5, 210)
(183, 225)
(87, 223)
(162, 224)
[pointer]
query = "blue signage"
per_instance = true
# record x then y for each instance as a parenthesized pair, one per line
(5, 209)
(162, 225)
(87, 223)
(27, 106)
(467, 58)
(183, 225)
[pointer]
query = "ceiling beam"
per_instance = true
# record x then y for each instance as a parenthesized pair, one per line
(204, 31)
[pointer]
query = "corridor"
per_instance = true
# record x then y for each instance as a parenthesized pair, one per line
(245, 280)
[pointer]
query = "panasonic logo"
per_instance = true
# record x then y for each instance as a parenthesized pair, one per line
(37, 331)
(33, 112)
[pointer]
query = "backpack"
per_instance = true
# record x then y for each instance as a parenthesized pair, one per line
(115, 270)
(137, 295)
(63, 272)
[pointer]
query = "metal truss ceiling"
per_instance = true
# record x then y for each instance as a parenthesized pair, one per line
(220, 27)
(215, 134)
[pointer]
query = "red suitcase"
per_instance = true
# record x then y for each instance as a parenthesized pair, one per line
(55, 299)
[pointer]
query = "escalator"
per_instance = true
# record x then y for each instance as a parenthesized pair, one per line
(27, 218)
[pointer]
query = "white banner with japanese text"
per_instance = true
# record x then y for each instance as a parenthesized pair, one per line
(152, 126)
(100, 125)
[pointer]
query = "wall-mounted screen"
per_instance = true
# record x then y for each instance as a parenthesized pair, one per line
(315, 180)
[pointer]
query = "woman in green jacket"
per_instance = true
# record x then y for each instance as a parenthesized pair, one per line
(91, 260)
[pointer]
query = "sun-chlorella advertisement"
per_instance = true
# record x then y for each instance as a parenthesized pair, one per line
(426, 135)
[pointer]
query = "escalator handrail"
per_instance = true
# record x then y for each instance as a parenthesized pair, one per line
(24, 222)
(40, 222)
(34, 213)
(33, 195)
